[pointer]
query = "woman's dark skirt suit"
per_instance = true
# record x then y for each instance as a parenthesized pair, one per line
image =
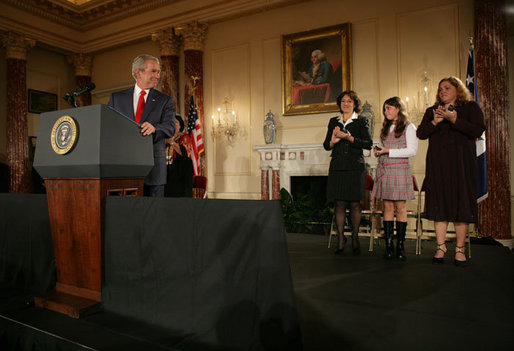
(347, 171)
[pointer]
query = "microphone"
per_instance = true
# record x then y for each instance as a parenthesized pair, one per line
(71, 97)
(84, 89)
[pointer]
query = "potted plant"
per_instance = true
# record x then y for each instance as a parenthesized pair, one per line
(305, 214)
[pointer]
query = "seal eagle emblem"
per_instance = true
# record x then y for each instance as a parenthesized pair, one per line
(64, 135)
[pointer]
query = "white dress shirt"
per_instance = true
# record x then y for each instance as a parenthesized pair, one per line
(412, 143)
(137, 91)
(353, 116)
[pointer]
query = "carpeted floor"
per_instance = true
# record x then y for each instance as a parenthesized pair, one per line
(367, 303)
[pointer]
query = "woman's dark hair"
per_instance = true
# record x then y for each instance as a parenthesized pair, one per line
(401, 122)
(181, 122)
(353, 95)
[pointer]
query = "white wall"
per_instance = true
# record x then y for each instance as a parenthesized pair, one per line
(47, 71)
(393, 44)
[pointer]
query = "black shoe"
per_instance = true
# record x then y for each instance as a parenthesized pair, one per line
(356, 245)
(401, 228)
(460, 263)
(388, 236)
(340, 251)
(460, 250)
(439, 260)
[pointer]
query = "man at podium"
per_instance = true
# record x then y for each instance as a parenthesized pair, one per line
(155, 113)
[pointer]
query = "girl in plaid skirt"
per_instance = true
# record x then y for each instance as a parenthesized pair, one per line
(393, 181)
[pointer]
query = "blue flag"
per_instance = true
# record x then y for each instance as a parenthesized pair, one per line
(471, 84)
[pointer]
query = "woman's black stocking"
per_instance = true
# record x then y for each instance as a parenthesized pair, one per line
(355, 213)
(340, 214)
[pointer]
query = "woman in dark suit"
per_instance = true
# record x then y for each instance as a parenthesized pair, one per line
(347, 135)
(180, 167)
(452, 125)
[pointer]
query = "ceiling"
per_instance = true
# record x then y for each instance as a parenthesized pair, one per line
(86, 14)
(89, 26)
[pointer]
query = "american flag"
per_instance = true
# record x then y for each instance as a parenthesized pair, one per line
(195, 133)
(472, 85)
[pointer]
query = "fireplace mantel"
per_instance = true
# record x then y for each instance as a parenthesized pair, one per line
(285, 161)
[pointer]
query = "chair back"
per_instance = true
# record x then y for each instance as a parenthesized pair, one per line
(415, 184)
(199, 187)
(369, 182)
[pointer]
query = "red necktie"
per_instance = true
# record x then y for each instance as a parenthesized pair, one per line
(140, 105)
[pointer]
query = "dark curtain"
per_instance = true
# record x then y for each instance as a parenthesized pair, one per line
(492, 78)
(217, 271)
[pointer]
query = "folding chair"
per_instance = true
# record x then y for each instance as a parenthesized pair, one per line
(199, 187)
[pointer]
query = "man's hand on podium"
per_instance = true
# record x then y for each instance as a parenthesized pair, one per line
(147, 128)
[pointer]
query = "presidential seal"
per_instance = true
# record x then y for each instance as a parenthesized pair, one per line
(64, 135)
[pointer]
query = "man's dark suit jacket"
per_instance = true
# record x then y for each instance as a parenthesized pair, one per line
(346, 155)
(160, 112)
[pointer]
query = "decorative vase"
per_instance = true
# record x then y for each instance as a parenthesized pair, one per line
(367, 112)
(270, 128)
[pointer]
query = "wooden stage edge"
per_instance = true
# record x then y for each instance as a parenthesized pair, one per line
(71, 305)
(71, 302)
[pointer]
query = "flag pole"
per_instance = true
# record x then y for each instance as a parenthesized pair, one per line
(194, 79)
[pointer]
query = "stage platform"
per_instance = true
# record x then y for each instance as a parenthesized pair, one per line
(343, 303)
(333, 303)
(367, 303)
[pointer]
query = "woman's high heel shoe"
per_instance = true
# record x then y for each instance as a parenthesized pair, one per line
(460, 250)
(356, 245)
(339, 251)
(439, 260)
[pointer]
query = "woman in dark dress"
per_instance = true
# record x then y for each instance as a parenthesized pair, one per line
(452, 126)
(347, 135)
(180, 167)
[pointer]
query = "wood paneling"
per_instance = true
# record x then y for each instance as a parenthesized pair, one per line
(76, 211)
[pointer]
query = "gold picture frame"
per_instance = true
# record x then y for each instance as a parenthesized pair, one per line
(307, 89)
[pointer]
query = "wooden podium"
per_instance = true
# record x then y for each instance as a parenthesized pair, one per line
(85, 154)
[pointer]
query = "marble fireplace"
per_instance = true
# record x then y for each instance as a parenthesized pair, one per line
(278, 163)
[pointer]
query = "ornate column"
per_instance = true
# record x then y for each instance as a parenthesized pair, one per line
(82, 64)
(493, 84)
(17, 47)
(275, 184)
(194, 37)
(264, 183)
(169, 43)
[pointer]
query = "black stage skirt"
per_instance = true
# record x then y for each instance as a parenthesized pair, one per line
(346, 185)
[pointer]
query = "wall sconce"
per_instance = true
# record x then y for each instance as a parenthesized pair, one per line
(418, 103)
(225, 122)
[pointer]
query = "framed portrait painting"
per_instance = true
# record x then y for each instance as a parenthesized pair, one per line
(316, 67)
(41, 101)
